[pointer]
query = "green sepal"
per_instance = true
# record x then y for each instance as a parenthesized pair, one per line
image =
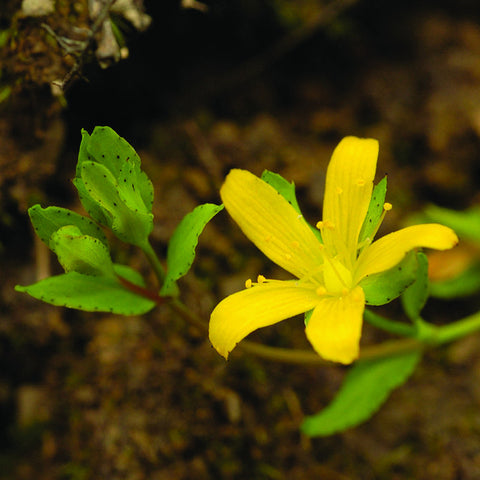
(365, 388)
(415, 296)
(307, 316)
(182, 245)
(465, 284)
(81, 253)
(287, 190)
(375, 211)
(89, 293)
(382, 288)
(48, 220)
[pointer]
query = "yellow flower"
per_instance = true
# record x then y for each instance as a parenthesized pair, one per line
(328, 275)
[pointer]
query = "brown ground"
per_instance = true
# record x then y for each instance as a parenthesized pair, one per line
(86, 396)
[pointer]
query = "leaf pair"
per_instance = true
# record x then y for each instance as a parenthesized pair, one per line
(119, 195)
(113, 189)
(91, 281)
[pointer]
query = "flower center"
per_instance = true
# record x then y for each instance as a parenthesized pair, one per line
(337, 278)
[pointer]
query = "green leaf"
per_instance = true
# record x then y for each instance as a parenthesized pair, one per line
(465, 223)
(383, 287)
(88, 293)
(365, 388)
(81, 253)
(129, 274)
(375, 211)
(105, 146)
(130, 224)
(465, 284)
(48, 220)
(112, 187)
(90, 205)
(285, 188)
(415, 297)
(181, 248)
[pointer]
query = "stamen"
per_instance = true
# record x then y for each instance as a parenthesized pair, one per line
(321, 291)
(261, 279)
(248, 283)
(328, 224)
(386, 208)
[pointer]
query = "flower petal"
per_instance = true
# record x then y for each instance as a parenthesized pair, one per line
(271, 223)
(260, 306)
(389, 250)
(335, 326)
(348, 189)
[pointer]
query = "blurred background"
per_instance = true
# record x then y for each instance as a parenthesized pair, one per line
(199, 88)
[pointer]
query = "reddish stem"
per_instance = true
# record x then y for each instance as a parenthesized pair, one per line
(142, 291)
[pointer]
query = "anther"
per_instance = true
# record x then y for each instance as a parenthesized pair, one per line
(248, 283)
(328, 224)
(387, 206)
(321, 291)
(261, 279)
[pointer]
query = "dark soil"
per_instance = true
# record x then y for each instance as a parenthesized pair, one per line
(256, 85)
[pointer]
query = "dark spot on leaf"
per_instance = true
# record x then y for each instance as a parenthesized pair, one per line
(114, 204)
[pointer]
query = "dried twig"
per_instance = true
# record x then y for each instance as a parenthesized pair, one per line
(79, 48)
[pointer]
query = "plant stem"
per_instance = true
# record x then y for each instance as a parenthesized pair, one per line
(299, 356)
(398, 328)
(440, 335)
(456, 330)
(154, 261)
